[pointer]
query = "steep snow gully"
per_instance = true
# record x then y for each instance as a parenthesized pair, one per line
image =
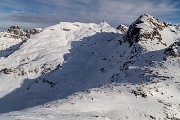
(92, 71)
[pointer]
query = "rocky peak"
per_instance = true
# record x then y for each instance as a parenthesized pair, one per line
(173, 50)
(104, 23)
(122, 28)
(151, 20)
(144, 28)
(15, 30)
(22, 33)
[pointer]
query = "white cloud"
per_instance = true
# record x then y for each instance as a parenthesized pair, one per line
(113, 11)
(127, 11)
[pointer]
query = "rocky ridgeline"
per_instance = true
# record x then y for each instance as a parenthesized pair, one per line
(122, 28)
(173, 50)
(145, 28)
(43, 69)
(17, 32)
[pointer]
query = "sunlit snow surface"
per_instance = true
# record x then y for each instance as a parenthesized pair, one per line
(80, 71)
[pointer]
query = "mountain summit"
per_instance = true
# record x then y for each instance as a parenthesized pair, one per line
(149, 31)
(144, 28)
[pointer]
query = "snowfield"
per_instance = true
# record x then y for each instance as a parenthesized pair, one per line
(88, 71)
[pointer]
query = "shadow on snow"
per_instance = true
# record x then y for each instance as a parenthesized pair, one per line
(10, 50)
(81, 71)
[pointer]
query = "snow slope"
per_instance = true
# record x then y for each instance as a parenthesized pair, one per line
(48, 51)
(92, 71)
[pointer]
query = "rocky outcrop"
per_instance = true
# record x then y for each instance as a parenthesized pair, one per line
(145, 28)
(17, 32)
(173, 50)
(122, 28)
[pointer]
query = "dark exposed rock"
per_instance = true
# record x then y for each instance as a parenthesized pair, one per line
(173, 50)
(122, 28)
(17, 32)
(146, 27)
(139, 93)
(7, 71)
(65, 29)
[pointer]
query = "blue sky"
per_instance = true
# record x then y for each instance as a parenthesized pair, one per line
(43, 13)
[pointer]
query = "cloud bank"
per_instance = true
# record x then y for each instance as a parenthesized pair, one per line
(42, 13)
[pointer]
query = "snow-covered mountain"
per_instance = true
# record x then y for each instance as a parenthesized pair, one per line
(92, 71)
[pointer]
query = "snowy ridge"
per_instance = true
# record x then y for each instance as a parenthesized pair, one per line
(122, 28)
(47, 50)
(91, 71)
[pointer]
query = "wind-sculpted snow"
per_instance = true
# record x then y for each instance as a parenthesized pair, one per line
(93, 71)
